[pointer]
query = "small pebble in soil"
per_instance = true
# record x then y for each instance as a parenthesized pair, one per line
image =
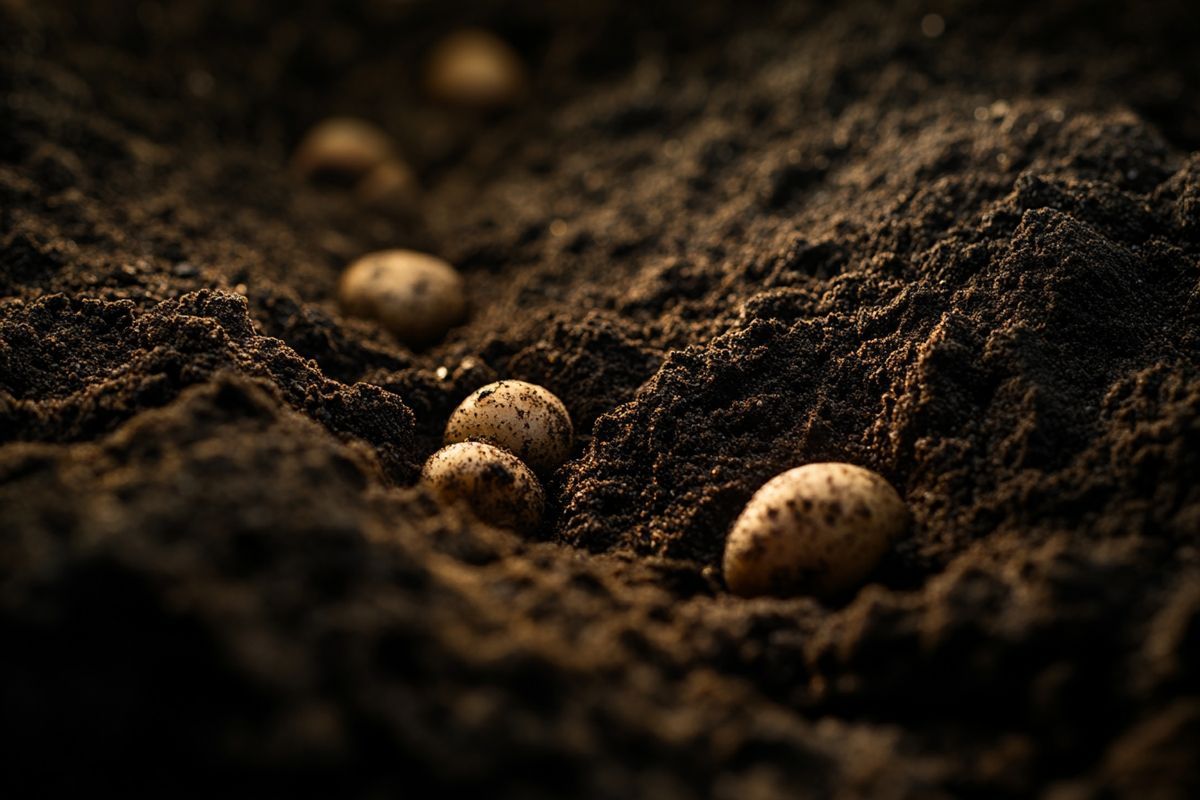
(818, 529)
(342, 148)
(476, 69)
(416, 296)
(522, 417)
(498, 487)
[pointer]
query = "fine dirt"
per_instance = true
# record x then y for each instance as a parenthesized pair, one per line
(734, 239)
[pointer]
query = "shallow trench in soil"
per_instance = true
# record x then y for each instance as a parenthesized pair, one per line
(965, 256)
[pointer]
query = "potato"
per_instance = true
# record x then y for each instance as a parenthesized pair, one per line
(818, 529)
(389, 186)
(522, 417)
(417, 297)
(343, 147)
(497, 486)
(476, 69)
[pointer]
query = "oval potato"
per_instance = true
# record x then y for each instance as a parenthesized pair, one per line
(522, 417)
(497, 486)
(475, 68)
(418, 297)
(818, 529)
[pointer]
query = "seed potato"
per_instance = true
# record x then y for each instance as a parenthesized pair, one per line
(343, 147)
(388, 186)
(476, 69)
(522, 417)
(416, 296)
(498, 487)
(818, 529)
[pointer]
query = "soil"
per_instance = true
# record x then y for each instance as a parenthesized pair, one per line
(733, 239)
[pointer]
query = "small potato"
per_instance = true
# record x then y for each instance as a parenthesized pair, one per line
(417, 297)
(475, 69)
(499, 488)
(390, 185)
(818, 529)
(522, 417)
(342, 147)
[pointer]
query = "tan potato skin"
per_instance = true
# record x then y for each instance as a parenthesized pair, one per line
(342, 146)
(522, 417)
(418, 297)
(498, 487)
(476, 69)
(818, 529)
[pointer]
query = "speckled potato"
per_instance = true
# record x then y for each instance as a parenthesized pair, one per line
(342, 146)
(499, 488)
(818, 529)
(522, 417)
(475, 68)
(415, 296)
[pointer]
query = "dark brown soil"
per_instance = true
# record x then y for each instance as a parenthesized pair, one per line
(734, 238)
